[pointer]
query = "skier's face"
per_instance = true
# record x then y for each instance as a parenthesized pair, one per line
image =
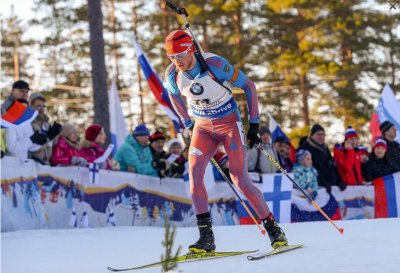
(185, 63)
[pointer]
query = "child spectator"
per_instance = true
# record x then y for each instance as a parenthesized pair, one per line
(363, 151)
(92, 148)
(378, 164)
(67, 151)
(305, 174)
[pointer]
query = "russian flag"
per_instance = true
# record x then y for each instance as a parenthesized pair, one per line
(17, 114)
(276, 131)
(303, 210)
(118, 129)
(387, 196)
(388, 109)
(156, 86)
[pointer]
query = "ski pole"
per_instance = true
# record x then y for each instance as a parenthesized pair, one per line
(183, 13)
(341, 230)
(237, 194)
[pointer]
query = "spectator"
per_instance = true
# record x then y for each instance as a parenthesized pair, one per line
(323, 162)
(305, 174)
(393, 148)
(177, 168)
(302, 140)
(67, 151)
(20, 140)
(42, 125)
(92, 148)
(157, 142)
(135, 155)
(378, 164)
(259, 163)
(20, 90)
(364, 158)
(282, 146)
(348, 159)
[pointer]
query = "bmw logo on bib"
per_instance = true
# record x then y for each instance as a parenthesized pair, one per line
(196, 89)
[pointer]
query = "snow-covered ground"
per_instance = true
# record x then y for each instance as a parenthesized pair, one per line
(366, 246)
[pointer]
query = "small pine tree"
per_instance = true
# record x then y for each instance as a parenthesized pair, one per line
(169, 260)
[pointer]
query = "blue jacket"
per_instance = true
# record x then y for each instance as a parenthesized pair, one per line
(132, 154)
(306, 177)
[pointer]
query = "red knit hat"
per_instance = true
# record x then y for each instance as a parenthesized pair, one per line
(177, 42)
(380, 143)
(349, 133)
(92, 132)
(157, 135)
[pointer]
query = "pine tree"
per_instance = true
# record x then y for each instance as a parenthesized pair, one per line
(168, 243)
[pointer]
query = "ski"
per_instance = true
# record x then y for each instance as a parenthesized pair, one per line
(277, 251)
(189, 257)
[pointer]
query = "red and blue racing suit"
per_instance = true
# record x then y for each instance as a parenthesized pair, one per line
(217, 120)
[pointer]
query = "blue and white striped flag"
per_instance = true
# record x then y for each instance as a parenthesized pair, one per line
(118, 129)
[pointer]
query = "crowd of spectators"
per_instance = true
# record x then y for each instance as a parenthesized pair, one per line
(50, 143)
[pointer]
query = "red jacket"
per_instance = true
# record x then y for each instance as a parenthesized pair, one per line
(63, 152)
(91, 151)
(348, 164)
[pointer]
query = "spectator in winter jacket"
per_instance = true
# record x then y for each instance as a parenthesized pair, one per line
(20, 90)
(67, 151)
(348, 158)
(256, 161)
(305, 174)
(135, 154)
(364, 154)
(323, 162)
(393, 148)
(92, 148)
(42, 125)
(157, 142)
(282, 146)
(378, 164)
(20, 140)
(178, 167)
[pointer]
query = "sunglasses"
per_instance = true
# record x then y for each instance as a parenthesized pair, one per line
(179, 56)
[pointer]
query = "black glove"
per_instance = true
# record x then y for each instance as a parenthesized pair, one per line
(176, 168)
(253, 135)
(159, 164)
(342, 186)
(38, 138)
(54, 130)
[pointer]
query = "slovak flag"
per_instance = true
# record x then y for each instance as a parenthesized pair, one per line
(17, 114)
(156, 86)
(387, 196)
(388, 109)
(276, 131)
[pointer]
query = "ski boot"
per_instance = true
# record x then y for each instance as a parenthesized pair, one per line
(275, 233)
(206, 242)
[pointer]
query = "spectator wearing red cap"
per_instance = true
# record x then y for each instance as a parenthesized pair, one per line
(157, 142)
(95, 137)
(348, 158)
(378, 164)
